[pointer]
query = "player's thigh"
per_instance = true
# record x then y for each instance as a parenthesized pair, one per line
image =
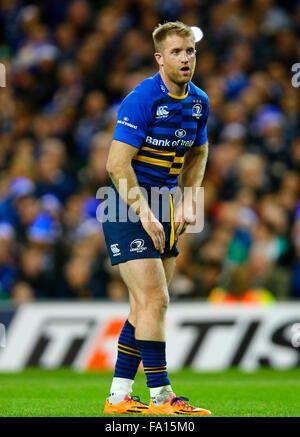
(169, 263)
(146, 279)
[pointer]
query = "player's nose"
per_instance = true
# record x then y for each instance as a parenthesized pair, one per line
(184, 58)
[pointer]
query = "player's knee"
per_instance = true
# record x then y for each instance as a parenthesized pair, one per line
(165, 301)
(161, 304)
(155, 302)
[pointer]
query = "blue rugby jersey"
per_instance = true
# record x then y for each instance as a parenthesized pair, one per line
(163, 127)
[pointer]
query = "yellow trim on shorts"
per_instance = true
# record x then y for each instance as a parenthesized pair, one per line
(172, 235)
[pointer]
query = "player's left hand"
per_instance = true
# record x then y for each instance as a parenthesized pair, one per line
(182, 219)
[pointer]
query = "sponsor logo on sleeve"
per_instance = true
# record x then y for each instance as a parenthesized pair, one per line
(125, 123)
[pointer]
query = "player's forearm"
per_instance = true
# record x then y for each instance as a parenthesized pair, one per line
(125, 180)
(194, 169)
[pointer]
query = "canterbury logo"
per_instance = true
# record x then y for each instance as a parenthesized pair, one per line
(162, 111)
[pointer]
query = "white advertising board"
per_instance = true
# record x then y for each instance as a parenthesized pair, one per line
(203, 336)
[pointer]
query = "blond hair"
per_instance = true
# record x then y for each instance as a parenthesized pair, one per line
(163, 30)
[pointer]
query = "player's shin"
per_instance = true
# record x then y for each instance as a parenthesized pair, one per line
(155, 366)
(127, 364)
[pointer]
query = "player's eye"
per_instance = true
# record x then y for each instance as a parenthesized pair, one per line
(190, 51)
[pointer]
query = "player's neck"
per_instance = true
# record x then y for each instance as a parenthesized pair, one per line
(176, 89)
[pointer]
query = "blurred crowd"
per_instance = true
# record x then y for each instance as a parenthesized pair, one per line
(69, 64)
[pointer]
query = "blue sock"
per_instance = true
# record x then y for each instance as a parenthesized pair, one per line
(129, 357)
(154, 361)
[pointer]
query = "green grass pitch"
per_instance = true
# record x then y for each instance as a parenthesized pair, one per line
(66, 393)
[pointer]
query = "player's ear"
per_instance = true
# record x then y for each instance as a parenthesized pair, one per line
(159, 59)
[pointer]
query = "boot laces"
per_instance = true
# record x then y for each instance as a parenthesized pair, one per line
(136, 399)
(180, 400)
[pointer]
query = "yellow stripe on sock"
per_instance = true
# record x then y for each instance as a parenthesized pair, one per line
(129, 348)
(155, 368)
(128, 353)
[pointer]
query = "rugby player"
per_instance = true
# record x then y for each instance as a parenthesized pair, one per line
(160, 134)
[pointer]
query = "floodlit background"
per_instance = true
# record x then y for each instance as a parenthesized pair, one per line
(69, 64)
(235, 306)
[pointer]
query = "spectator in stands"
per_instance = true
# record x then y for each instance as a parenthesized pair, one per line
(34, 280)
(69, 64)
(8, 267)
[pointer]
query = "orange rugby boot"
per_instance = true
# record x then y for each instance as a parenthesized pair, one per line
(130, 405)
(177, 405)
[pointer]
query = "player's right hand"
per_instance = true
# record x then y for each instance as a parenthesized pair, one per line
(155, 229)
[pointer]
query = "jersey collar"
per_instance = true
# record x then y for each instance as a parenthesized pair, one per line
(165, 90)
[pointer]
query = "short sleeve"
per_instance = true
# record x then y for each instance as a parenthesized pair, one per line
(201, 137)
(134, 116)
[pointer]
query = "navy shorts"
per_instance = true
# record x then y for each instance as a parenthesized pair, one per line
(127, 240)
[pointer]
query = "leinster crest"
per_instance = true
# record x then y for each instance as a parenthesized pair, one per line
(196, 110)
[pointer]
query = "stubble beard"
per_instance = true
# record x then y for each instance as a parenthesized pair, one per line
(179, 79)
